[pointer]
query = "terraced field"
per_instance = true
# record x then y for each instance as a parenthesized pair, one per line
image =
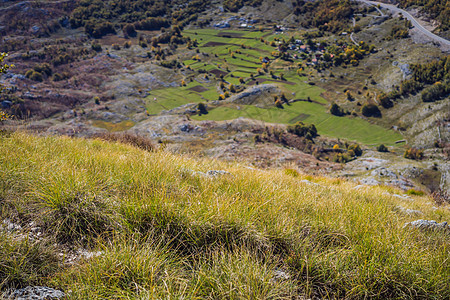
(235, 57)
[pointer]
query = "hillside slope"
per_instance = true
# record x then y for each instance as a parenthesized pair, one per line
(104, 220)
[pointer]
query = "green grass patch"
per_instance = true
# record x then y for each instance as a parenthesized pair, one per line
(327, 124)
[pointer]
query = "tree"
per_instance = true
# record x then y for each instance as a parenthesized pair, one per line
(371, 110)
(129, 30)
(202, 109)
(336, 110)
(382, 148)
(3, 69)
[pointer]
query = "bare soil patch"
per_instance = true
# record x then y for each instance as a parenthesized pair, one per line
(217, 73)
(198, 89)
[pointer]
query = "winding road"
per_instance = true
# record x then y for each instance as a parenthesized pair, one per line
(407, 15)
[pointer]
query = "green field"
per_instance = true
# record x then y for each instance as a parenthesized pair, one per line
(220, 47)
(327, 124)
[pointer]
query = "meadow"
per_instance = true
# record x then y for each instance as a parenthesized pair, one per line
(237, 54)
(159, 226)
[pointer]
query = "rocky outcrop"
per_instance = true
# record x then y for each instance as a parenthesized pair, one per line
(35, 293)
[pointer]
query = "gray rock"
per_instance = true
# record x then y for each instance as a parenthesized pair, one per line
(428, 225)
(10, 226)
(215, 173)
(408, 211)
(36, 293)
(309, 182)
(383, 172)
(279, 275)
(209, 174)
(359, 186)
(403, 197)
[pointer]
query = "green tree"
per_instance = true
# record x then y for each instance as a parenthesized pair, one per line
(201, 107)
(336, 110)
(3, 69)
(371, 110)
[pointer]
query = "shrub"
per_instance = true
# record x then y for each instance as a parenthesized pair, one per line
(385, 101)
(201, 107)
(291, 172)
(413, 153)
(415, 192)
(278, 103)
(43, 69)
(341, 158)
(129, 30)
(59, 77)
(349, 96)
(371, 110)
(129, 139)
(435, 92)
(336, 110)
(35, 76)
(382, 148)
(300, 129)
(356, 149)
(96, 47)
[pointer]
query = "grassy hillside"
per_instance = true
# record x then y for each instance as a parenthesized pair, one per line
(153, 225)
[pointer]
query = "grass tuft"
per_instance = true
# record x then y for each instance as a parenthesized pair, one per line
(164, 230)
(24, 262)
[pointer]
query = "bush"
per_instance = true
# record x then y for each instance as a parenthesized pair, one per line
(98, 29)
(201, 107)
(356, 149)
(300, 129)
(413, 153)
(385, 101)
(129, 139)
(59, 77)
(129, 30)
(96, 47)
(43, 69)
(435, 92)
(371, 110)
(382, 148)
(415, 192)
(278, 103)
(35, 76)
(336, 110)
(341, 158)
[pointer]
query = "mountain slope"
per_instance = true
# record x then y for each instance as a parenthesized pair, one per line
(108, 220)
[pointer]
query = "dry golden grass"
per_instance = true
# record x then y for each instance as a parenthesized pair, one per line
(167, 230)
